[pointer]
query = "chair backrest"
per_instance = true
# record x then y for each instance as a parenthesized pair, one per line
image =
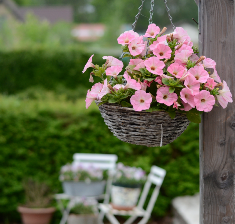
(102, 161)
(155, 177)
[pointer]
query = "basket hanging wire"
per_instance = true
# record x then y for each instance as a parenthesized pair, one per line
(143, 128)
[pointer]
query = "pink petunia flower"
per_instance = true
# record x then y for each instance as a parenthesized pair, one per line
(143, 53)
(182, 57)
(199, 73)
(204, 101)
(158, 80)
(164, 96)
(224, 96)
(215, 76)
(135, 61)
(104, 90)
(131, 83)
(176, 70)
(118, 86)
(187, 96)
(113, 71)
(209, 63)
(176, 105)
(93, 93)
(162, 51)
(192, 84)
(154, 65)
(127, 37)
(140, 65)
(144, 86)
(188, 42)
(181, 35)
(89, 99)
(96, 89)
(194, 58)
(184, 76)
(184, 48)
(91, 78)
(152, 30)
(187, 107)
(112, 61)
(160, 40)
(138, 62)
(88, 64)
(210, 84)
(148, 83)
(141, 100)
(135, 47)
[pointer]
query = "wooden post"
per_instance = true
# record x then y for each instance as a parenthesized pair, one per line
(217, 131)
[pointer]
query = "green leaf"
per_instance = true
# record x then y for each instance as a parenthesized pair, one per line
(194, 116)
(112, 100)
(126, 104)
(171, 89)
(142, 70)
(101, 103)
(165, 81)
(171, 113)
(179, 85)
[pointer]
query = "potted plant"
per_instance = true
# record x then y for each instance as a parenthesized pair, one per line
(37, 209)
(84, 213)
(126, 186)
(164, 87)
(82, 181)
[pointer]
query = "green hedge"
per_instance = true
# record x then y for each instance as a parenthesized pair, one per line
(44, 67)
(38, 137)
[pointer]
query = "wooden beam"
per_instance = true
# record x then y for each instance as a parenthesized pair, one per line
(197, 1)
(217, 131)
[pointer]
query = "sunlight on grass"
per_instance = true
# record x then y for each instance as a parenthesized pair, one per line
(30, 106)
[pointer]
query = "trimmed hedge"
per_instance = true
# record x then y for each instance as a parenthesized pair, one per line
(42, 67)
(36, 140)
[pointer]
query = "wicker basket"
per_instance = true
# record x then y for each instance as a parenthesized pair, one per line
(143, 128)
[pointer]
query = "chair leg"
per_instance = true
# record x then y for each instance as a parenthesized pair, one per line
(144, 220)
(101, 217)
(111, 218)
(131, 219)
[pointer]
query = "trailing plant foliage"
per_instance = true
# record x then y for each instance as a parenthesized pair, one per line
(38, 136)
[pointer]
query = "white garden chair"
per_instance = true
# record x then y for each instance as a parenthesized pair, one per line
(101, 161)
(156, 178)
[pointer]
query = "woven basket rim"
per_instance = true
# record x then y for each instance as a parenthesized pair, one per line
(127, 109)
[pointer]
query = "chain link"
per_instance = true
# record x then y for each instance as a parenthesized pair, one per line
(151, 12)
(169, 15)
(138, 14)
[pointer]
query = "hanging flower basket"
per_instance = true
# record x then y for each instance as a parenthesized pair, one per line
(164, 87)
(143, 128)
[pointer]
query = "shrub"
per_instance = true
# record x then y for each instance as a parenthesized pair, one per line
(51, 69)
(37, 137)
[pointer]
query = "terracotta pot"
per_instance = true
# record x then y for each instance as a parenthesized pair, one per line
(36, 215)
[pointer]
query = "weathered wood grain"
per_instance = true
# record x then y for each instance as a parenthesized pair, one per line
(217, 131)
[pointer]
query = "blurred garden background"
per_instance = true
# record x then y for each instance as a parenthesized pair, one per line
(44, 45)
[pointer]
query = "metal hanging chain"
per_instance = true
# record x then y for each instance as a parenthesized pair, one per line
(151, 12)
(138, 15)
(169, 15)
